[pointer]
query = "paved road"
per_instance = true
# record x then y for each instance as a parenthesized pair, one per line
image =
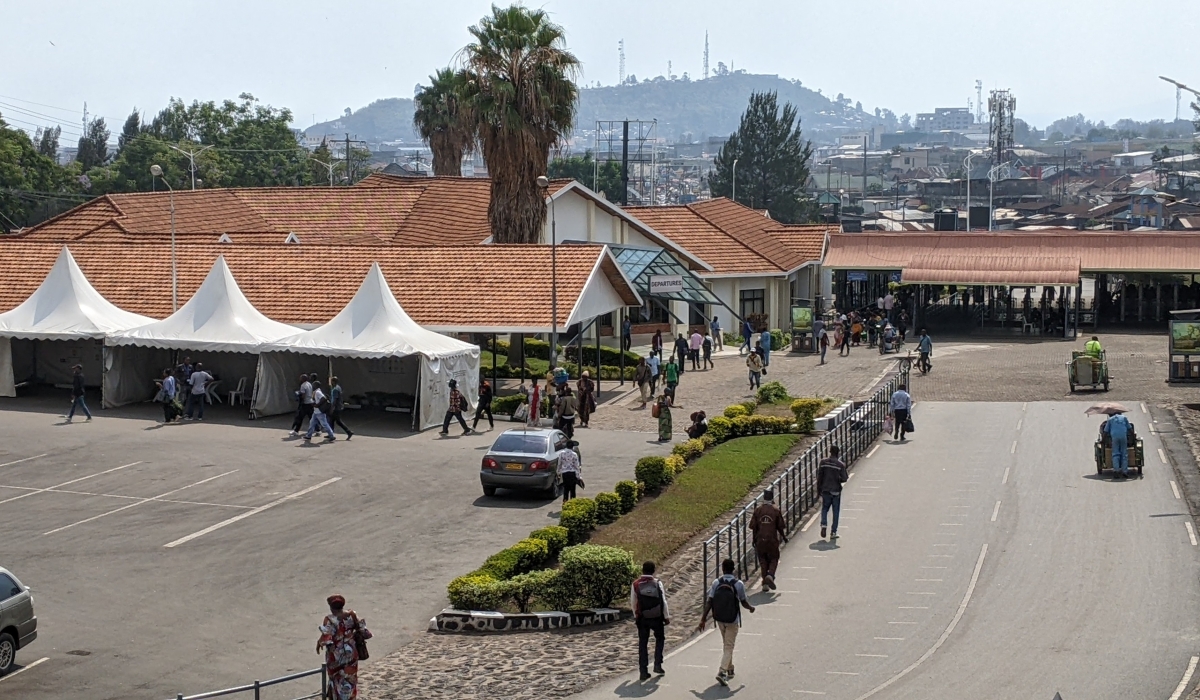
(982, 559)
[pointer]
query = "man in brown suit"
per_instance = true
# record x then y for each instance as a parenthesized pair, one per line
(769, 530)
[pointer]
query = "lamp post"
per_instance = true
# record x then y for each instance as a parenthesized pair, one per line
(734, 179)
(328, 166)
(544, 183)
(157, 172)
(191, 160)
(967, 167)
(991, 187)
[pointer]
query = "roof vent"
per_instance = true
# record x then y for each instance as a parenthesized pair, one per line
(292, 238)
(224, 238)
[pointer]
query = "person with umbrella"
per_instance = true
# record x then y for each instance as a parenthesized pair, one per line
(1117, 428)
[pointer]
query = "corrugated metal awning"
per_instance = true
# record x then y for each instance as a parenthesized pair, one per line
(991, 269)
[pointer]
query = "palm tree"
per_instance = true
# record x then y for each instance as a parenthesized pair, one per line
(523, 98)
(443, 120)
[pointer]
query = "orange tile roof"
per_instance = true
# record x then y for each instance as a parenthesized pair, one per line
(808, 240)
(440, 287)
(728, 236)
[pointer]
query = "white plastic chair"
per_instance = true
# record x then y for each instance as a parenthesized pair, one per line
(239, 393)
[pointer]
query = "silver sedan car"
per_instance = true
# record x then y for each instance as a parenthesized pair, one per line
(18, 624)
(525, 459)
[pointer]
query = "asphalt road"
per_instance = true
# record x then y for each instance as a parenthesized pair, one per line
(981, 559)
(386, 519)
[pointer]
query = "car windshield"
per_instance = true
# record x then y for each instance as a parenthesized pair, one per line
(521, 443)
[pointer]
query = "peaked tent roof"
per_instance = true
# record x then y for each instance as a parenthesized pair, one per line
(66, 306)
(218, 318)
(372, 326)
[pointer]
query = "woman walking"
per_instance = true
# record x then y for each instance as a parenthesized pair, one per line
(565, 412)
(534, 419)
(586, 399)
(664, 418)
(339, 632)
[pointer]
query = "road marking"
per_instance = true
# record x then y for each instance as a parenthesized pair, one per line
(1187, 678)
(841, 673)
(1175, 490)
(47, 658)
(18, 461)
(702, 635)
(1019, 421)
(808, 524)
(809, 692)
(873, 451)
(1023, 406)
(125, 498)
(890, 639)
(996, 511)
(68, 483)
(951, 524)
(912, 607)
(1143, 407)
(1191, 532)
(1005, 479)
(938, 580)
(849, 476)
(920, 593)
(902, 623)
(962, 608)
(247, 514)
(942, 544)
(1013, 449)
(691, 666)
(875, 481)
(943, 556)
(136, 504)
(933, 567)
(873, 656)
(1162, 456)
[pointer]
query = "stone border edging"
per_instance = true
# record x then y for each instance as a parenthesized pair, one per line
(830, 420)
(450, 620)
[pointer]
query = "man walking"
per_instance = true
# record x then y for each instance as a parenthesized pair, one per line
(1117, 428)
(77, 394)
(900, 406)
(655, 365)
(485, 404)
(707, 347)
(671, 375)
(747, 335)
(694, 344)
(831, 474)
(769, 529)
(199, 381)
(754, 364)
(715, 327)
(338, 401)
(823, 342)
(641, 377)
(681, 351)
(322, 407)
(454, 409)
(648, 601)
(304, 407)
(765, 339)
(726, 597)
(925, 347)
(626, 334)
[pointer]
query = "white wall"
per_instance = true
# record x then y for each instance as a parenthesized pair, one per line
(581, 219)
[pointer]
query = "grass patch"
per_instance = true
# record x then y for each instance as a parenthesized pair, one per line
(537, 368)
(710, 486)
(783, 409)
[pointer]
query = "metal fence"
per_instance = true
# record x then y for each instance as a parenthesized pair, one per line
(257, 687)
(795, 489)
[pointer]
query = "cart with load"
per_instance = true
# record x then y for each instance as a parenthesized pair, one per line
(1102, 450)
(1083, 370)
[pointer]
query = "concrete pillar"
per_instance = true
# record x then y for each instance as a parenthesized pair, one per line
(591, 220)
(1124, 293)
(772, 294)
(1141, 304)
(1157, 301)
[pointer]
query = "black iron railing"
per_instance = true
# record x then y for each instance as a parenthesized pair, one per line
(256, 687)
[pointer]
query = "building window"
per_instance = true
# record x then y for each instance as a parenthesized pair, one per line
(753, 301)
(697, 315)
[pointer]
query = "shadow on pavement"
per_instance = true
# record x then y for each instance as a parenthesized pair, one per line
(823, 546)
(1107, 476)
(637, 689)
(716, 690)
(516, 499)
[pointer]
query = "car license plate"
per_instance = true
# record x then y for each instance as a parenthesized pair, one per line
(514, 466)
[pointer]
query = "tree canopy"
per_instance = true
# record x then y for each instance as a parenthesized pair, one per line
(33, 186)
(443, 118)
(772, 161)
(606, 178)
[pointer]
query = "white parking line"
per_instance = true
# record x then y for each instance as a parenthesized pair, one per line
(1023, 406)
(1013, 449)
(890, 639)
(247, 514)
(1143, 407)
(1175, 490)
(18, 461)
(841, 673)
(68, 483)
(1191, 532)
(1162, 456)
(873, 656)
(1005, 479)
(873, 451)
(125, 498)
(996, 511)
(1187, 678)
(808, 692)
(138, 503)
(811, 520)
(1019, 421)
(24, 668)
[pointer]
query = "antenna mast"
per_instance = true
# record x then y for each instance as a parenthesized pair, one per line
(621, 52)
(978, 101)
(705, 55)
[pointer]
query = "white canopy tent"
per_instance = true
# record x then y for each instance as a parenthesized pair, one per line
(218, 321)
(375, 348)
(67, 310)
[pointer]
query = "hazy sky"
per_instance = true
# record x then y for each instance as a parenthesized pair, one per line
(1099, 57)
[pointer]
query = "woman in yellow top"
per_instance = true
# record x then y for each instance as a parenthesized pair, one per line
(1093, 348)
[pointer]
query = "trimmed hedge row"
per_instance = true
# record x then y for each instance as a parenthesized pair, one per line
(578, 516)
(805, 411)
(591, 576)
(540, 350)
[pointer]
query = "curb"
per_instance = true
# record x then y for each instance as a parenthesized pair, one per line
(450, 620)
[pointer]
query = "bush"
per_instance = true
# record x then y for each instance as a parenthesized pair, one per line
(557, 592)
(525, 556)
(708, 441)
(555, 537)
(608, 507)
(719, 428)
(521, 590)
(780, 340)
(475, 592)
(772, 392)
(627, 491)
(805, 411)
(652, 471)
(690, 449)
(578, 516)
(734, 411)
(675, 465)
(506, 405)
(757, 425)
(597, 574)
(608, 356)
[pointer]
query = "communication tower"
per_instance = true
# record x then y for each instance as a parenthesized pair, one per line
(1002, 107)
(632, 144)
(978, 101)
(705, 56)
(621, 53)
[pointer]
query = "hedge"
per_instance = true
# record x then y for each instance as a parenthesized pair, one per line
(591, 576)
(674, 465)
(652, 471)
(608, 356)
(525, 556)
(690, 449)
(475, 592)
(521, 590)
(805, 411)
(555, 537)
(772, 392)
(719, 428)
(608, 507)
(628, 493)
(578, 516)
(734, 411)
(597, 574)
(759, 425)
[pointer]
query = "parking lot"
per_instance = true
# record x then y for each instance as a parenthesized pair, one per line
(191, 557)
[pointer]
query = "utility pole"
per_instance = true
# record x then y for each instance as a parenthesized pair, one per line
(349, 171)
(864, 193)
(624, 161)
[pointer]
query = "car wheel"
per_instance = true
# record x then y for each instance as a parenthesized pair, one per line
(555, 491)
(8, 653)
(489, 491)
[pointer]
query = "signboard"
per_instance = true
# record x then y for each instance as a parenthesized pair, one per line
(856, 276)
(894, 277)
(1185, 337)
(666, 284)
(802, 319)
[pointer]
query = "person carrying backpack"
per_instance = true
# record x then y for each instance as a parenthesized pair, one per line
(648, 600)
(726, 597)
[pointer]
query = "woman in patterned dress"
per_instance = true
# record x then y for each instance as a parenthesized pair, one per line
(341, 654)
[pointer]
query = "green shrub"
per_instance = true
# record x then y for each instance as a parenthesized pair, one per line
(735, 411)
(674, 466)
(506, 405)
(750, 406)
(557, 592)
(772, 392)
(578, 516)
(754, 425)
(608, 507)
(555, 537)
(628, 493)
(522, 557)
(719, 428)
(608, 356)
(475, 592)
(641, 486)
(780, 340)
(521, 590)
(597, 574)
(805, 411)
(652, 471)
(689, 449)
(708, 441)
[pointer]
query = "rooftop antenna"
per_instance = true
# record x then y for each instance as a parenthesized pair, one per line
(978, 101)
(621, 52)
(668, 69)
(1179, 88)
(706, 55)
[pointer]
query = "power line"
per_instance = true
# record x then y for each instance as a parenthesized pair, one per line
(32, 113)
(39, 104)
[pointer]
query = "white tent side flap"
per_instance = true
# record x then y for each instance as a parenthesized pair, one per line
(8, 385)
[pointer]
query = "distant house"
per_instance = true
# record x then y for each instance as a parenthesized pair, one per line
(1134, 159)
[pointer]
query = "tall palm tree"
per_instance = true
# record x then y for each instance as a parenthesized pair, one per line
(523, 97)
(444, 120)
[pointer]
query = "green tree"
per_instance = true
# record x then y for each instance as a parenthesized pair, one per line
(48, 141)
(93, 145)
(772, 161)
(606, 178)
(130, 131)
(323, 170)
(443, 119)
(32, 186)
(523, 98)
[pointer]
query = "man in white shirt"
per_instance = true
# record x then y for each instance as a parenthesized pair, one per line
(198, 381)
(322, 407)
(888, 302)
(901, 407)
(654, 362)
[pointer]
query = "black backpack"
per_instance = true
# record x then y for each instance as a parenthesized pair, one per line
(725, 600)
(649, 597)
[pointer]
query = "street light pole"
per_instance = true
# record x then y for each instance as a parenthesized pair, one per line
(734, 178)
(191, 160)
(544, 183)
(328, 166)
(967, 166)
(991, 188)
(157, 171)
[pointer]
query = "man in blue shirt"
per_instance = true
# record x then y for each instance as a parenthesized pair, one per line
(925, 347)
(1117, 428)
(718, 341)
(765, 339)
(900, 406)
